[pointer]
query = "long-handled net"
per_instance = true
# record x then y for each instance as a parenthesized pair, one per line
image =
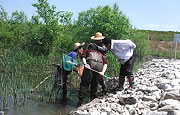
(65, 63)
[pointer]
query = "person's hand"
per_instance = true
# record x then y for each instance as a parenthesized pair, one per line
(101, 73)
(87, 66)
(78, 65)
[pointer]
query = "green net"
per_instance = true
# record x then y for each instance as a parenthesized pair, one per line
(68, 62)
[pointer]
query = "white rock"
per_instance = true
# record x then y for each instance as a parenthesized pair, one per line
(177, 75)
(149, 98)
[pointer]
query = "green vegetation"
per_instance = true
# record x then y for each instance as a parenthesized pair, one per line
(160, 35)
(162, 43)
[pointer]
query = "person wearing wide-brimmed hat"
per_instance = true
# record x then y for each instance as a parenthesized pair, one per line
(100, 47)
(124, 52)
(95, 67)
(78, 48)
(98, 38)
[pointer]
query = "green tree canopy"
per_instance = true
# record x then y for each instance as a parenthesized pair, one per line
(110, 21)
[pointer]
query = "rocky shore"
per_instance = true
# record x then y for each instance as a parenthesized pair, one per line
(157, 92)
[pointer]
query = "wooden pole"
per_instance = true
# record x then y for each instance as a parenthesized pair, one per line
(40, 83)
(175, 49)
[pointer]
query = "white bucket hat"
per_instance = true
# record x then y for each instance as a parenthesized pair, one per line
(77, 45)
(98, 36)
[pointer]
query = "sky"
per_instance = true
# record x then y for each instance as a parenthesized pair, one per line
(159, 15)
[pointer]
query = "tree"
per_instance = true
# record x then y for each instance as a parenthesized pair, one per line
(48, 14)
(56, 22)
(18, 18)
(3, 14)
(6, 35)
(110, 21)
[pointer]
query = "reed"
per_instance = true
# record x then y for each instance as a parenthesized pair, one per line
(20, 72)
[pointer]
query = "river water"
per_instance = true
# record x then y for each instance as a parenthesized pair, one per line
(31, 107)
(39, 108)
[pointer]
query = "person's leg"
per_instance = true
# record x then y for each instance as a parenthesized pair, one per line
(129, 70)
(65, 88)
(84, 85)
(121, 78)
(131, 81)
(100, 80)
(65, 85)
(94, 85)
(57, 83)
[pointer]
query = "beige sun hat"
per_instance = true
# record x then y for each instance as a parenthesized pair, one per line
(98, 36)
(77, 45)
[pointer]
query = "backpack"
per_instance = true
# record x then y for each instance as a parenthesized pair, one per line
(94, 59)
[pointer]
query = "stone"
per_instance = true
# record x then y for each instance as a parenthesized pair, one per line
(149, 98)
(1, 112)
(173, 112)
(155, 113)
(172, 96)
(168, 108)
(157, 92)
(177, 75)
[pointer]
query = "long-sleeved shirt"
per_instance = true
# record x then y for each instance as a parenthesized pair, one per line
(122, 49)
(73, 54)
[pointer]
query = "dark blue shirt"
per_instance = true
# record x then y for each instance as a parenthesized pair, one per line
(73, 54)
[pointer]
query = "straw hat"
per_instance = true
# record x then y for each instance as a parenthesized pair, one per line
(98, 36)
(77, 45)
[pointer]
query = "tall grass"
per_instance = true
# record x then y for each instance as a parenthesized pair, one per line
(20, 72)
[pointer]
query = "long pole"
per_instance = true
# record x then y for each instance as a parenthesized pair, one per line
(88, 68)
(40, 83)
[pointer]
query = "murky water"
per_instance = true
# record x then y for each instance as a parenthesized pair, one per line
(31, 107)
(36, 106)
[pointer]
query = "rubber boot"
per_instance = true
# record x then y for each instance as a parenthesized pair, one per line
(65, 89)
(131, 81)
(104, 91)
(121, 83)
(83, 93)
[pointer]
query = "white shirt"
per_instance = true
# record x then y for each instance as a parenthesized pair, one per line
(122, 49)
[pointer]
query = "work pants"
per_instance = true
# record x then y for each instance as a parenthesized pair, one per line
(127, 70)
(88, 80)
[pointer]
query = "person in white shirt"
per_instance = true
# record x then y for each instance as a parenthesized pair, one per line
(124, 52)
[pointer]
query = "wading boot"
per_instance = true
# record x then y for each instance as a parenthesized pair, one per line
(121, 83)
(131, 81)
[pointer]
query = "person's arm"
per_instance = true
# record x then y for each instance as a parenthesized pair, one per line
(101, 48)
(104, 66)
(103, 70)
(131, 44)
(85, 63)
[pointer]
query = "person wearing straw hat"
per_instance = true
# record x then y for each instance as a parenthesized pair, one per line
(98, 38)
(100, 47)
(124, 52)
(95, 67)
(78, 48)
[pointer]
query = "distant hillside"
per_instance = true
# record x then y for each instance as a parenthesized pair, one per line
(162, 44)
(160, 35)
